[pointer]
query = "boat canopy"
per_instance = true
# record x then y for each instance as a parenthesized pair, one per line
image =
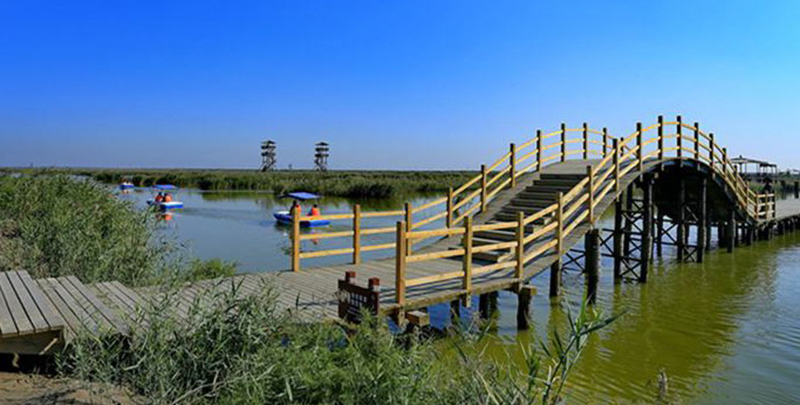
(165, 187)
(302, 196)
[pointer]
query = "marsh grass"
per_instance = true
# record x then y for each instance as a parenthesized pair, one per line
(243, 350)
(353, 184)
(58, 225)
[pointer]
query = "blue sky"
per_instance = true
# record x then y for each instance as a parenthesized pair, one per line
(392, 85)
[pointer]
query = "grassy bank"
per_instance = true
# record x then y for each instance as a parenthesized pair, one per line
(54, 226)
(356, 184)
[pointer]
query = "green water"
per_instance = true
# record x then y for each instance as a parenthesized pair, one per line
(725, 331)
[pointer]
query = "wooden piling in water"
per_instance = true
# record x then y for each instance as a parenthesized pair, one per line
(702, 227)
(592, 263)
(523, 308)
(647, 227)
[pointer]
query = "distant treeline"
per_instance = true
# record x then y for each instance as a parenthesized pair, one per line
(354, 184)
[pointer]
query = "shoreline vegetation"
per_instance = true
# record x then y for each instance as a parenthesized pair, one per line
(334, 183)
(242, 350)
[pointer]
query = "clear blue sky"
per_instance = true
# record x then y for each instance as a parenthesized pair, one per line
(390, 84)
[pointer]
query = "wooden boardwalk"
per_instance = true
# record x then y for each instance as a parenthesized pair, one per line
(514, 221)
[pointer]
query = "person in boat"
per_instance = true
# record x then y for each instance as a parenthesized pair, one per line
(295, 207)
(159, 198)
(314, 212)
(168, 197)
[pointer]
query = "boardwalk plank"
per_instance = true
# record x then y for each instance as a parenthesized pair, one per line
(21, 321)
(28, 304)
(51, 316)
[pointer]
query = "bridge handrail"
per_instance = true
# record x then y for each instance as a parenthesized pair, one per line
(463, 201)
(579, 203)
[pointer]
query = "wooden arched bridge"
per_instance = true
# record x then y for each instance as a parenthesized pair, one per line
(532, 211)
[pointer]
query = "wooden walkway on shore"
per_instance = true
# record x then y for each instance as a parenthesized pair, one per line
(519, 218)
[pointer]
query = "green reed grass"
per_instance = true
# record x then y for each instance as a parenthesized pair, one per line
(57, 225)
(354, 184)
(243, 350)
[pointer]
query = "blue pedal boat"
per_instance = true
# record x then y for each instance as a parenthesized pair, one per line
(164, 205)
(285, 217)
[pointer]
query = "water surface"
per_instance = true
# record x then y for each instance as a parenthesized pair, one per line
(725, 331)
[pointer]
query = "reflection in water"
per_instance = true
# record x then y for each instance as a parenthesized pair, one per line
(727, 330)
(723, 331)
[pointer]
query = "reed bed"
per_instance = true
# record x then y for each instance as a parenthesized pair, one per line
(353, 184)
(242, 350)
(58, 225)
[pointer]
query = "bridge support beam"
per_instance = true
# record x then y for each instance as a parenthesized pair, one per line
(659, 234)
(681, 221)
(523, 308)
(647, 228)
(592, 266)
(555, 278)
(702, 227)
(730, 235)
(618, 239)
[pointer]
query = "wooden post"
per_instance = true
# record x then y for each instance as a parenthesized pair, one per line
(467, 259)
(590, 188)
(618, 238)
(628, 223)
(400, 265)
(523, 309)
(483, 188)
(711, 147)
(647, 227)
(555, 268)
(681, 220)
(696, 141)
(702, 219)
(725, 162)
(409, 223)
(539, 150)
(659, 233)
(585, 141)
(356, 234)
(660, 137)
(592, 265)
(563, 141)
(512, 164)
(605, 141)
(519, 252)
(639, 153)
(450, 208)
(616, 165)
(731, 233)
(679, 129)
(296, 238)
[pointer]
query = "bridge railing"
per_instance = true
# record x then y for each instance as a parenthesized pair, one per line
(469, 199)
(576, 207)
